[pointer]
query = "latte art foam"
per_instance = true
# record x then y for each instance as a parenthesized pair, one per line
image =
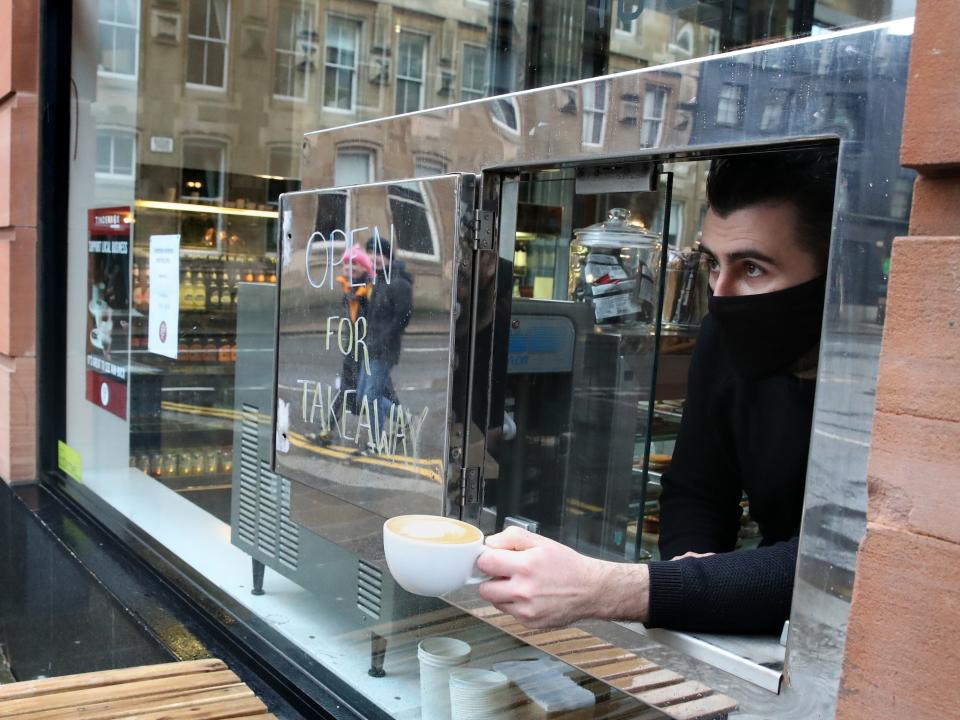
(434, 529)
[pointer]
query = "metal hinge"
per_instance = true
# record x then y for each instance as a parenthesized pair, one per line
(483, 230)
(469, 485)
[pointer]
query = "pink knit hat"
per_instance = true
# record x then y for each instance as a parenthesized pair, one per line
(356, 256)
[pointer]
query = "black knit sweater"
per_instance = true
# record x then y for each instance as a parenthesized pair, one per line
(736, 435)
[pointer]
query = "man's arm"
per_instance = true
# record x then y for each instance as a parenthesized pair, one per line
(749, 591)
(545, 584)
(700, 503)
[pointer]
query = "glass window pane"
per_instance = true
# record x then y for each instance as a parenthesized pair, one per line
(197, 20)
(103, 152)
(217, 19)
(107, 9)
(216, 56)
(127, 11)
(195, 61)
(125, 59)
(107, 53)
(123, 154)
(352, 167)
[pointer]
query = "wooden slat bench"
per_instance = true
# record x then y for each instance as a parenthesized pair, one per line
(664, 689)
(198, 689)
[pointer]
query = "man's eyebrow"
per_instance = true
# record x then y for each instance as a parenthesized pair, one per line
(748, 254)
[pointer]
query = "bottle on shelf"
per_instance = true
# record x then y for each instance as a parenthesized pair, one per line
(213, 292)
(200, 293)
(186, 291)
(137, 295)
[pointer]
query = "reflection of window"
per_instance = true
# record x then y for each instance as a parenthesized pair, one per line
(901, 197)
(203, 171)
(774, 111)
(675, 233)
(594, 113)
(353, 166)
(296, 47)
(115, 153)
(473, 82)
(410, 219)
(626, 15)
(841, 114)
(654, 108)
(730, 105)
(207, 38)
(682, 34)
(340, 82)
(119, 26)
(506, 113)
(411, 71)
(425, 166)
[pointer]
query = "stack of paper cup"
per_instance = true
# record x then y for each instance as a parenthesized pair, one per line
(478, 694)
(438, 656)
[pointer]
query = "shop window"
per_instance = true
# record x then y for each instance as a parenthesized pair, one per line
(207, 40)
(116, 153)
(730, 105)
(408, 210)
(654, 108)
(594, 113)
(774, 112)
(411, 71)
(473, 81)
(295, 51)
(119, 28)
(343, 44)
(204, 170)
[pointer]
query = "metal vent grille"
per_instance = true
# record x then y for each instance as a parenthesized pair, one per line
(264, 507)
(369, 589)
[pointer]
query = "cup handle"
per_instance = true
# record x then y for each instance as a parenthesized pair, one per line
(476, 577)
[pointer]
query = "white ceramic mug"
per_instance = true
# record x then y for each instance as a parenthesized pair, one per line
(432, 555)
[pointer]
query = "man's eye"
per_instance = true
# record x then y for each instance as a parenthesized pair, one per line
(713, 264)
(753, 270)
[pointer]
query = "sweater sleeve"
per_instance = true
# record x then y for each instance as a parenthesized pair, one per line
(700, 503)
(737, 592)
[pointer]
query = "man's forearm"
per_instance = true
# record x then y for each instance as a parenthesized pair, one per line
(622, 591)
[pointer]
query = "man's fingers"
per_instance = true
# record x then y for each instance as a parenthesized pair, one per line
(513, 538)
(500, 563)
(498, 592)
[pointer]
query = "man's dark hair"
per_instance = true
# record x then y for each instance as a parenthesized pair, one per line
(805, 178)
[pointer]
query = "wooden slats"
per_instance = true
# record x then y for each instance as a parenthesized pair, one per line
(670, 693)
(197, 690)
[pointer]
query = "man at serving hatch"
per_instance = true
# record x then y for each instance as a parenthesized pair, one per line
(745, 428)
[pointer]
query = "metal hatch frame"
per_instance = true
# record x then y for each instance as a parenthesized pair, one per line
(865, 69)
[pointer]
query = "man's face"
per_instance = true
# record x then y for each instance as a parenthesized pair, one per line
(756, 250)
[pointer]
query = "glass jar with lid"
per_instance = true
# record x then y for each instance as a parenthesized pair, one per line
(615, 267)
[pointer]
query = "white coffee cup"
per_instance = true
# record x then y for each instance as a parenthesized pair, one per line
(432, 555)
(438, 656)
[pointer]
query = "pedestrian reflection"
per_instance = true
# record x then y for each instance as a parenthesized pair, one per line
(389, 306)
(356, 282)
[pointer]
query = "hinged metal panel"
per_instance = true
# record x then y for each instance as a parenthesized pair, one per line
(483, 230)
(469, 485)
(372, 341)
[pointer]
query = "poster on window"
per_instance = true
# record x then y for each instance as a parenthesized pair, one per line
(108, 308)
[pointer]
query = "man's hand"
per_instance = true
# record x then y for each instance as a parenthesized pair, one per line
(545, 584)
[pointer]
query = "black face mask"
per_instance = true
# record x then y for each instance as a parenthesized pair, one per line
(765, 334)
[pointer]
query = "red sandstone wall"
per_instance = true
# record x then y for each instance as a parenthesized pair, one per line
(19, 38)
(903, 646)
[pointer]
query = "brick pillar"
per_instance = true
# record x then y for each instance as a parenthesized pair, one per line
(903, 644)
(19, 44)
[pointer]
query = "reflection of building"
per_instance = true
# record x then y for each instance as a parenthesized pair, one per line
(751, 101)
